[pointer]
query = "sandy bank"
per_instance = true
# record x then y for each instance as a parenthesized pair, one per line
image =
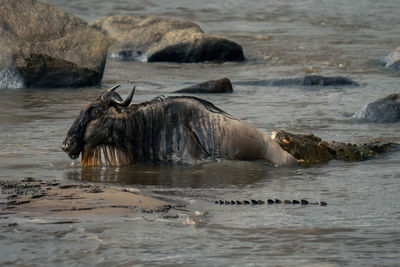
(37, 198)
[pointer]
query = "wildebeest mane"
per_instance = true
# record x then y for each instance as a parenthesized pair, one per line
(161, 98)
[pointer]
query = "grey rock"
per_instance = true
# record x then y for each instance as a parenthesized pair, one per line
(309, 80)
(386, 109)
(50, 47)
(210, 87)
(154, 39)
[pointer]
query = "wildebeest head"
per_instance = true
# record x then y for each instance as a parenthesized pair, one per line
(93, 127)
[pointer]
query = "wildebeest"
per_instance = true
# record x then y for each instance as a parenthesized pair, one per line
(178, 129)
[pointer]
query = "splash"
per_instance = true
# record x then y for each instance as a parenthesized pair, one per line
(10, 78)
(129, 55)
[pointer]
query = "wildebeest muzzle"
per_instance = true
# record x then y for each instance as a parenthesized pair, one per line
(71, 147)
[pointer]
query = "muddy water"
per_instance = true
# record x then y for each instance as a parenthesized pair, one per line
(281, 39)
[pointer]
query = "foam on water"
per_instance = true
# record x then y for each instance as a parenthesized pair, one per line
(10, 78)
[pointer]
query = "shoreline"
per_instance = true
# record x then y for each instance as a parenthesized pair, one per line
(65, 202)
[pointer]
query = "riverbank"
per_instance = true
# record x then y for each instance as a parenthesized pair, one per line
(67, 202)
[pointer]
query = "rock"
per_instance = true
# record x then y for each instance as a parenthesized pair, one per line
(49, 47)
(310, 150)
(392, 61)
(386, 109)
(325, 81)
(153, 39)
(210, 87)
(309, 80)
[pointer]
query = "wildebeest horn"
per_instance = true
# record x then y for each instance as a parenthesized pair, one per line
(127, 100)
(112, 89)
(107, 93)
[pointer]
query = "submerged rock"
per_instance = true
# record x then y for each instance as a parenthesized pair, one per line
(210, 87)
(392, 61)
(309, 80)
(49, 47)
(386, 109)
(152, 39)
(309, 149)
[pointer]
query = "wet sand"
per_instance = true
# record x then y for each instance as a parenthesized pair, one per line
(35, 198)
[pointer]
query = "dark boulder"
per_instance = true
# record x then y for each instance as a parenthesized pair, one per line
(309, 149)
(159, 39)
(325, 81)
(49, 47)
(392, 61)
(309, 80)
(386, 109)
(210, 87)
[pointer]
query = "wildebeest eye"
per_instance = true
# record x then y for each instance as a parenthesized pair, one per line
(96, 111)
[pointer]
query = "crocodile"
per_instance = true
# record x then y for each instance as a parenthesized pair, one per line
(311, 150)
(269, 202)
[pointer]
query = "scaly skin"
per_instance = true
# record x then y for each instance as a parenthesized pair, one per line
(269, 202)
(310, 150)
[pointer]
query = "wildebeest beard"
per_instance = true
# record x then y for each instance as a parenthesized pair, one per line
(112, 156)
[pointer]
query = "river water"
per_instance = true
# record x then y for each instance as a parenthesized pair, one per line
(281, 39)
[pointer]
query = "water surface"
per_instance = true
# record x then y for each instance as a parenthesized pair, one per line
(281, 39)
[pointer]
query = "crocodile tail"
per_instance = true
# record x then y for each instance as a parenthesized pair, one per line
(269, 202)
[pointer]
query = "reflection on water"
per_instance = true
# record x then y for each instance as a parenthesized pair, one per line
(216, 174)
